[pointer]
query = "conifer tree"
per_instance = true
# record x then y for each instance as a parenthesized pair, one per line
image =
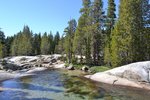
(97, 32)
(56, 41)
(127, 34)
(82, 39)
(45, 44)
(70, 30)
(8, 44)
(37, 44)
(51, 42)
(110, 21)
(2, 45)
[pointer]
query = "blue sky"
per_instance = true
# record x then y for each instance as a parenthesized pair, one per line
(40, 15)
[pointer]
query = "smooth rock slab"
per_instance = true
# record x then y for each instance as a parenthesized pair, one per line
(128, 75)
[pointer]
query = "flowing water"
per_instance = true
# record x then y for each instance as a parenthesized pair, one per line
(57, 85)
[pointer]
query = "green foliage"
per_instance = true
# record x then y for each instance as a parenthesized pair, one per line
(25, 43)
(126, 35)
(8, 44)
(70, 30)
(56, 42)
(45, 44)
(37, 44)
(2, 45)
(96, 69)
(1, 50)
(22, 42)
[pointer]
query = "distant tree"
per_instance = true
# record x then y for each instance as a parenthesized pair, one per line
(45, 44)
(37, 44)
(2, 45)
(25, 43)
(15, 44)
(56, 41)
(51, 42)
(8, 44)
(60, 48)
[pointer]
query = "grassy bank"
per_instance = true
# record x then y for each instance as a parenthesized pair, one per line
(93, 69)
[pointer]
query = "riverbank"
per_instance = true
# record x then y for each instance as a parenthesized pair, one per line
(133, 75)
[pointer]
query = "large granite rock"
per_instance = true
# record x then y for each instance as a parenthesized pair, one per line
(128, 75)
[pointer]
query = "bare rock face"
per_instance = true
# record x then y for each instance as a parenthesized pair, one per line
(127, 75)
(27, 62)
(138, 72)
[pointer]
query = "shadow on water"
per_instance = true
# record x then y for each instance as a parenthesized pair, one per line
(83, 87)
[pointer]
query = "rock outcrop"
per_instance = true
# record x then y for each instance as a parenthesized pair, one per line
(128, 75)
(27, 62)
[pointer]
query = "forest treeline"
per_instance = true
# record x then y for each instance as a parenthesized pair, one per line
(99, 37)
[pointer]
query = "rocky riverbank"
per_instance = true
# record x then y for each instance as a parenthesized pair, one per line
(19, 66)
(132, 75)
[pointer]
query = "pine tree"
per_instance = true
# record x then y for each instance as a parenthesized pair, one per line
(127, 34)
(37, 44)
(109, 26)
(78, 42)
(97, 32)
(51, 42)
(2, 45)
(8, 44)
(25, 42)
(61, 45)
(146, 30)
(15, 44)
(56, 41)
(82, 40)
(45, 44)
(70, 30)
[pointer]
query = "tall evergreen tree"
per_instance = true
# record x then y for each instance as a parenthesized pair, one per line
(82, 40)
(56, 41)
(8, 44)
(37, 44)
(25, 43)
(127, 34)
(146, 30)
(15, 44)
(97, 32)
(70, 30)
(51, 42)
(45, 44)
(2, 44)
(110, 21)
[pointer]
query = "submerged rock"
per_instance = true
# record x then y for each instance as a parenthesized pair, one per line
(71, 67)
(85, 68)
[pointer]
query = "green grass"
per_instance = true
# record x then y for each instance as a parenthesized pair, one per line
(93, 69)
(96, 69)
(78, 66)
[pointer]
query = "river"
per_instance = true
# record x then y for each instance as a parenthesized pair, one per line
(57, 85)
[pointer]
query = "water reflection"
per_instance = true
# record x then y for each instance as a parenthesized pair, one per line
(55, 85)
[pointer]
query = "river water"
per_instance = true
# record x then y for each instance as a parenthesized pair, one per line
(56, 85)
